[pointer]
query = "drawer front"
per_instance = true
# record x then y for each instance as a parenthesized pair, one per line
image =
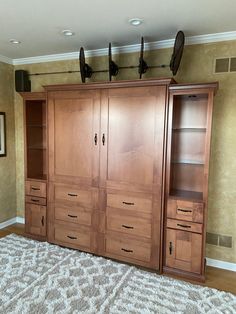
(35, 200)
(129, 225)
(185, 210)
(183, 225)
(130, 203)
(74, 195)
(129, 249)
(36, 188)
(73, 214)
(80, 236)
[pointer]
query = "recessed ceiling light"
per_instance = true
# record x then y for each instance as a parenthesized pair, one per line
(67, 32)
(135, 21)
(14, 41)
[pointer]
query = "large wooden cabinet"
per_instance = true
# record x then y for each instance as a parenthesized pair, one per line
(127, 169)
(188, 151)
(35, 130)
(106, 149)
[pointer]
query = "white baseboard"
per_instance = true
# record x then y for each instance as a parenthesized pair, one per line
(221, 264)
(12, 221)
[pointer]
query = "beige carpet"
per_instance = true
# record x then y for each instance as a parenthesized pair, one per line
(42, 278)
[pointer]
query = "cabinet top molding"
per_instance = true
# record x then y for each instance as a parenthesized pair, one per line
(113, 84)
(188, 86)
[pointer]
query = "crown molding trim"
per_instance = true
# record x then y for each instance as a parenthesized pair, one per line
(6, 60)
(193, 40)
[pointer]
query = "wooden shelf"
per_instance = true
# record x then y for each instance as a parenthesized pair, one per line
(189, 129)
(190, 195)
(36, 125)
(189, 162)
(36, 147)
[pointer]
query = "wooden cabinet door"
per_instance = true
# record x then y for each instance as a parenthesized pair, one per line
(132, 133)
(74, 122)
(184, 250)
(36, 219)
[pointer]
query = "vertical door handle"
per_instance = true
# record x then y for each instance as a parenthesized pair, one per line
(170, 248)
(95, 139)
(42, 221)
(103, 139)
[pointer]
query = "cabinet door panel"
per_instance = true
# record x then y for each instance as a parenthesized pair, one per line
(133, 121)
(36, 219)
(184, 250)
(73, 124)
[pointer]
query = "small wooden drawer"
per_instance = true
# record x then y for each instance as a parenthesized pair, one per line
(129, 225)
(35, 200)
(73, 194)
(185, 210)
(129, 248)
(183, 225)
(80, 236)
(74, 214)
(130, 203)
(36, 188)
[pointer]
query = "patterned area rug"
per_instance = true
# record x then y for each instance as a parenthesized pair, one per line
(43, 278)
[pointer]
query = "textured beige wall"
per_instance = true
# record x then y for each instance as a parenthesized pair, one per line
(7, 164)
(197, 66)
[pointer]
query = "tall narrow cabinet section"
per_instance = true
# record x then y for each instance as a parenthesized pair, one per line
(35, 129)
(188, 150)
(131, 173)
(74, 133)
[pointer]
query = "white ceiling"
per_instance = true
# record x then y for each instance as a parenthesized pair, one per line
(38, 23)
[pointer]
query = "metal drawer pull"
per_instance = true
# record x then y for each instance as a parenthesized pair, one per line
(183, 226)
(103, 139)
(170, 248)
(72, 194)
(33, 200)
(128, 251)
(72, 216)
(42, 221)
(35, 189)
(127, 203)
(72, 238)
(127, 227)
(185, 210)
(95, 139)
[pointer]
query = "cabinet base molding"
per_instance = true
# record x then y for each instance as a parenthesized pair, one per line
(183, 274)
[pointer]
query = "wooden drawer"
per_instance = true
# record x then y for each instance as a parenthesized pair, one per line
(35, 200)
(79, 236)
(73, 194)
(183, 225)
(129, 248)
(185, 210)
(129, 225)
(36, 188)
(130, 203)
(74, 214)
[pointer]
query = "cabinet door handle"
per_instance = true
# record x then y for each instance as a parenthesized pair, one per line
(33, 200)
(42, 221)
(103, 139)
(72, 194)
(170, 248)
(72, 238)
(127, 227)
(35, 189)
(183, 226)
(185, 210)
(72, 216)
(128, 251)
(95, 139)
(128, 203)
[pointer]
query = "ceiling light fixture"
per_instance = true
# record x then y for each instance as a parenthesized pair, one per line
(14, 41)
(135, 21)
(67, 32)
